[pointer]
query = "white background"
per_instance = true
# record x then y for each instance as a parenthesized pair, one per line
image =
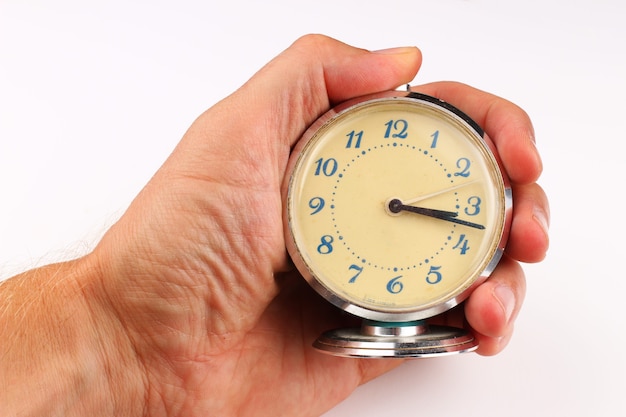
(93, 97)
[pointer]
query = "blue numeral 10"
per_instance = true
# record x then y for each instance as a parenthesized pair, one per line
(327, 167)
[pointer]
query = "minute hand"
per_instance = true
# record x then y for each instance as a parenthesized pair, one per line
(396, 206)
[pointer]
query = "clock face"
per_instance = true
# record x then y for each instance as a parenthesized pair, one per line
(395, 208)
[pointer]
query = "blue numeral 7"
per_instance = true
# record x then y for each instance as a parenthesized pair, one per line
(358, 270)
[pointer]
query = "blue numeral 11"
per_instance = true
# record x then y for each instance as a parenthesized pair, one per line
(351, 136)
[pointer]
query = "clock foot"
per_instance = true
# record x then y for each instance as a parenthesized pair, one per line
(396, 340)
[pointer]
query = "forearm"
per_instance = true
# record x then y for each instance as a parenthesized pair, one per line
(58, 354)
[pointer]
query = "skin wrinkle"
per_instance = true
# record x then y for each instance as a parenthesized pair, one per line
(179, 371)
(64, 341)
(95, 311)
(232, 249)
(308, 106)
(219, 269)
(219, 293)
(237, 280)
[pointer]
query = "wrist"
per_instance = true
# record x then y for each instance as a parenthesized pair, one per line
(65, 356)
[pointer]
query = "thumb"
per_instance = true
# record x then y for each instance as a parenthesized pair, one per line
(329, 68)
(316, 72)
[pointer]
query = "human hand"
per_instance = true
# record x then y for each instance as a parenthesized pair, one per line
(194, 285)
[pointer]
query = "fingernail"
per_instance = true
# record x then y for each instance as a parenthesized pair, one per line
(533, 143)
(395, 51)
(506, 298)
(531, 136)
(504, 341)
(541, 217)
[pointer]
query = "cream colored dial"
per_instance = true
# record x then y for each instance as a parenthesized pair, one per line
(395, 207)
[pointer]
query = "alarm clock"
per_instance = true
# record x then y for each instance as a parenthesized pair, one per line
(395, 208)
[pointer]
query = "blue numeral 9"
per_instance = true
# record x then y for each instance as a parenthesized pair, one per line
(317, 204)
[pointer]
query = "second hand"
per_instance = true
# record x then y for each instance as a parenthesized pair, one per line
(436, 193)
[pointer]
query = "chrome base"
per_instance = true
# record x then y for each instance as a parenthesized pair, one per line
(396, 340)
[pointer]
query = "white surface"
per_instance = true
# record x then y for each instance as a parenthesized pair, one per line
(94, 97)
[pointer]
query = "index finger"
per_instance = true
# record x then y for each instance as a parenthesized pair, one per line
(505, 123)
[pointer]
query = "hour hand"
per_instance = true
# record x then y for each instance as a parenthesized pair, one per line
(396, 206)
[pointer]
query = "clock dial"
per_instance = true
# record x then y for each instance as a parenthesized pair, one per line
(395, 208)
